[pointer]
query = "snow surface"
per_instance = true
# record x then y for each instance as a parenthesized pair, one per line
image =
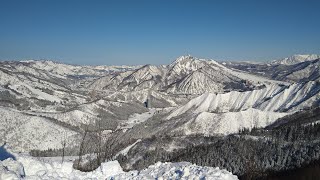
(28, 91)
(271, 98)
(23, 132)
(182, 170)
(207, 123)
(228, 113)
(31, 168)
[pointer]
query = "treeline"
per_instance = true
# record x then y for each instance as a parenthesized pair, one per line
(250, 154)
(292, 133)
(68, 151)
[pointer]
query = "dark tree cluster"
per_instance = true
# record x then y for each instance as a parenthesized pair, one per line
(249, 154)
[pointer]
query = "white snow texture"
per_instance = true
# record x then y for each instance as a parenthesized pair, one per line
(30, 168)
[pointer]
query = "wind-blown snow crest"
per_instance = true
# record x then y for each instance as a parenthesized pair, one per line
(228, 113)
(232, 101)
(270, 98)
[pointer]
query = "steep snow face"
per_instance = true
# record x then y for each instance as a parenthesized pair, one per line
(232, 101)
(295, 59)
(207, 79)
(271, 98)
(146, 77)
(207, 123)
(196, 83)
(227, 113)
(296, 97)
(185, 64)
(26, 167)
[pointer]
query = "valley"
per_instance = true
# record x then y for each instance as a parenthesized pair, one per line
(196, 110)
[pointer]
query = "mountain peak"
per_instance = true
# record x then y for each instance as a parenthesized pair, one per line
(183, 58)
(296, 58)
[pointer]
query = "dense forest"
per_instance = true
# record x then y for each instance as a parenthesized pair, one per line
(258, 153)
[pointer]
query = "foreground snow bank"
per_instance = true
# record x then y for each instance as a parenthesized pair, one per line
(11, 169)
(30, 168)
(182, 170)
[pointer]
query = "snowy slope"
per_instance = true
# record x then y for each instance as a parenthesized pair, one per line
(227, 113)
(209, 124)
(207, 79)
(26, 167)
(145, 77)
(24, 132)
(271, 98)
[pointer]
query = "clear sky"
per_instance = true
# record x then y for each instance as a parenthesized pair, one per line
(157, 31)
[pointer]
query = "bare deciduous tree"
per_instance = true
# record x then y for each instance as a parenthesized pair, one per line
(82, 143)
(64, 143)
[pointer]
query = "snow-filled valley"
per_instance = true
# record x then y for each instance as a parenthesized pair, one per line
(130, 114)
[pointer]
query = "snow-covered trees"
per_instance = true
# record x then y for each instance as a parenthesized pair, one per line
(249, 154)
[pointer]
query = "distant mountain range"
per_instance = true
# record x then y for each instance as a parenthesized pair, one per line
(295, 59)
(195, 96)
(302, 68)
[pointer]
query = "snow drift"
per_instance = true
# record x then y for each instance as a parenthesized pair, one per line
(26, 167)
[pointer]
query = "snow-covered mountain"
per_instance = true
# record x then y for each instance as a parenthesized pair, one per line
(186, 75)
(44, 102)
(295, 59)
(298, 72)
(188, 96)
(72, 70)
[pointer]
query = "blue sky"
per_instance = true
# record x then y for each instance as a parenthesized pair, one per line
(157, 31)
